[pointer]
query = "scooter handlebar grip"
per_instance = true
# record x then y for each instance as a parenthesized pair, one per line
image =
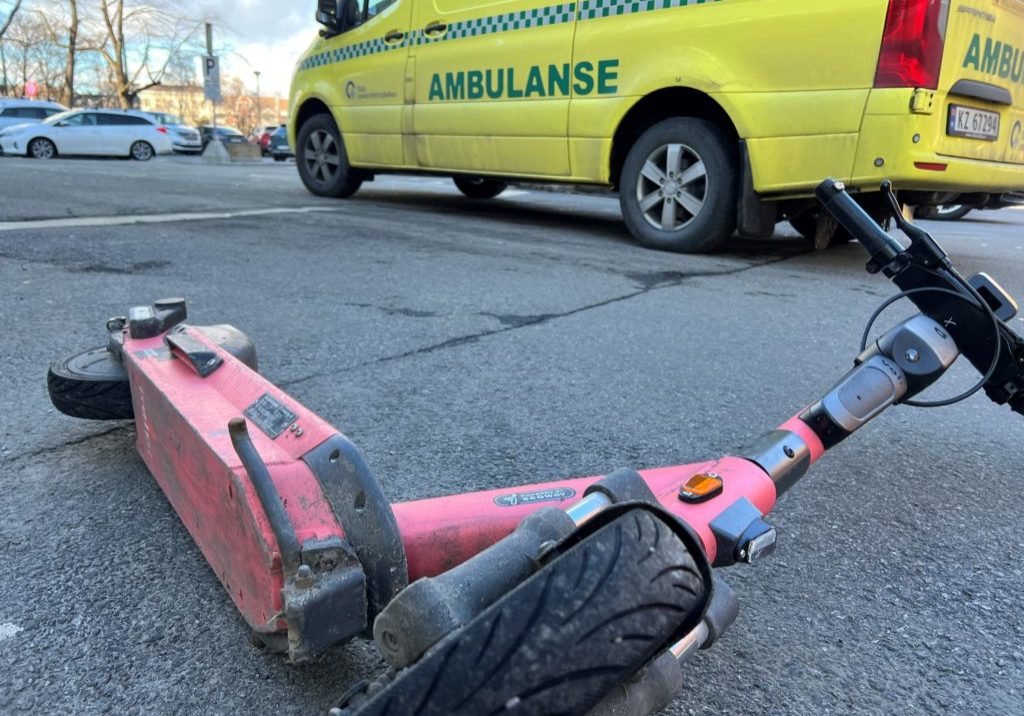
(851, 216)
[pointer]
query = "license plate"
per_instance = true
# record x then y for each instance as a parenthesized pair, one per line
(973, 123)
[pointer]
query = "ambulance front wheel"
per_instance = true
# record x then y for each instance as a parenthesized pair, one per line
(322, 159)
(678, 188)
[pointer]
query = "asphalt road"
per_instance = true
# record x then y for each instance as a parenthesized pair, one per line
(469, 345)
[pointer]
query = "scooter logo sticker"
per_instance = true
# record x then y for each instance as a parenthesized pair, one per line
(556, 494)
(270, 415)
(160, 354)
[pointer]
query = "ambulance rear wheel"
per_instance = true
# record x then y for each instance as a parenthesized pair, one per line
(678, 188)
(322, 159)
(480, 187)
(820, 228)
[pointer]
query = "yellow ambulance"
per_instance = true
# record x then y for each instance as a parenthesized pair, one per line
(707, 116)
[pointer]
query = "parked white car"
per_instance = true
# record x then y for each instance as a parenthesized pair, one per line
(184, 139)
(96, 132)
(26, 111)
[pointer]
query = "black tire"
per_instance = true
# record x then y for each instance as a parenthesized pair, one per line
(943, 212)
(41, 148)
(91, 385)
(823, 234)
(322, 160)
(566, 636)
(828, 233)
(278, 159)
(805, 223)
(701, 213)
(141, 151)
(480, 187)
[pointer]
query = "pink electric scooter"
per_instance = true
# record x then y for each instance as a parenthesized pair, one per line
(576, 596)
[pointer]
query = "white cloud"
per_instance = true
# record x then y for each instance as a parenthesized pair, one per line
(274, 59)
(261, 35)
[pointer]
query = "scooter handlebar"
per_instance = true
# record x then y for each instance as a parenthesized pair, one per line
(930, 281)
(851, 216)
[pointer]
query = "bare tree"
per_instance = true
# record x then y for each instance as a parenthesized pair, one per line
(58, 29)
(28, 52)
(138, 42)
(68, 96)
(7, 18)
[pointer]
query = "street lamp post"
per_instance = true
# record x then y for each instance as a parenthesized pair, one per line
(259, 114)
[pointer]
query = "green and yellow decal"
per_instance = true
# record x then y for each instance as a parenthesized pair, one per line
(996, 58)
(582, 79)
(506, 22)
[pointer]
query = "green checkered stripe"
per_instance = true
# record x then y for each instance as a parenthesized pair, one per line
(596, 9)
(509, 22)
(350, 52)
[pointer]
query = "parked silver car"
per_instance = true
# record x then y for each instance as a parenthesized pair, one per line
(26, 111)
(184, 139)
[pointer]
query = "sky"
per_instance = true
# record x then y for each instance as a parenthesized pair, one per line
(249, 35)
(264, 35)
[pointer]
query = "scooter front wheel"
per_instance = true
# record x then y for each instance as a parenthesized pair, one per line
(561, 640)
(91, 385)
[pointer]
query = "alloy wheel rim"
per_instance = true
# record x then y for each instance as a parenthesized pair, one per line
(322, 156)
(141, 151)
(41, 149)
(672, 188)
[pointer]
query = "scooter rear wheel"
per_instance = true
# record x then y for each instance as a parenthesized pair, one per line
(91, 385)
(565, 637)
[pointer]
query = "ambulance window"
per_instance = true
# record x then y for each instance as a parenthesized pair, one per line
(376, 7)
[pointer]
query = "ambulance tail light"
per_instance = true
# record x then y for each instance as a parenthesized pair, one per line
(912, 44)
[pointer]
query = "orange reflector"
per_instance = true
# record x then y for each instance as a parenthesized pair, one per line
(701, 487)
(931, 166)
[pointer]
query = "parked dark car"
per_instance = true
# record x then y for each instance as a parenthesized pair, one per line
(278, 144)
(227, 135)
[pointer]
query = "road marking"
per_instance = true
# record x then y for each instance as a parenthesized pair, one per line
(8, 630)
(150, 218)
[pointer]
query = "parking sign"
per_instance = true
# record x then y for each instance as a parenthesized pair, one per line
(211, 78)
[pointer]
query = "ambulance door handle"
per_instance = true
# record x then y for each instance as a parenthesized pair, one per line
(435, 29)
(394, 37)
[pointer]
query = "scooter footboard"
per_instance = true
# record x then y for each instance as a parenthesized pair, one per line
(185, 392)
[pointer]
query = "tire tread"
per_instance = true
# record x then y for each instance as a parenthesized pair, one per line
(90, 397)
(560, 640)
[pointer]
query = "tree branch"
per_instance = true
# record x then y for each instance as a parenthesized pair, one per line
(10, 18)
